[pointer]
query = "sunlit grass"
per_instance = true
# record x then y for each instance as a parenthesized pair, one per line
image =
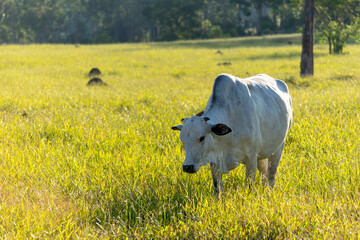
(103, 162)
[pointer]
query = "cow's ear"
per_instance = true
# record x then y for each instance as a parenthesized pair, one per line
(220, 129)
(184, 119)
(177, 127)
(200, 114)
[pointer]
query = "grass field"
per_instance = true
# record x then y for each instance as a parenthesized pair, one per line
(103, 162)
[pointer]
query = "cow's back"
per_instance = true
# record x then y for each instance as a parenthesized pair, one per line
(258, 107)
(273, 109)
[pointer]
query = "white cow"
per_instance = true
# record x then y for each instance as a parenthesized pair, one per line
(245, 121)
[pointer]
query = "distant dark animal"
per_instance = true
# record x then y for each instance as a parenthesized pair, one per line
(290, 42)
(224, 63)
(96, 82)
(94, 72)
(24, 114)
(219, 52)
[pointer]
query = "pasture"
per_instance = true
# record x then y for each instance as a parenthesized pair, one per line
(102, 162)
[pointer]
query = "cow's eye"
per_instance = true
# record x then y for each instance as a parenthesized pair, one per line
(202, 138)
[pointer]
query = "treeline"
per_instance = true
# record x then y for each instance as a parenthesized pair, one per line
(107, 21)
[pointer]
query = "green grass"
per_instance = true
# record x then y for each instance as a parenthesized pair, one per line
(103, 162)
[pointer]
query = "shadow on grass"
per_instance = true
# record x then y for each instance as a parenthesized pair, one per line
(288, 55)
(140, 207)
(344, 77)
(296, 53)
(285, 55)
(262, 41)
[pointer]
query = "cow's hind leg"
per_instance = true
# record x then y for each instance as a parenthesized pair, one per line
(273, 165)
(217, 179)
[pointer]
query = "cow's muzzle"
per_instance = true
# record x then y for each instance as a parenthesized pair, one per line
(189, 168)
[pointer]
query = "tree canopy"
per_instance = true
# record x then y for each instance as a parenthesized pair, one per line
(337, 22)
(104, 21)
(107, 21)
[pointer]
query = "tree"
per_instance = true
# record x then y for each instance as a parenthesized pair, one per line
(4, 34)
(338, 21)
(225, 18)
(177, 19)
(289, 15)
(307, 58)
(259, 4)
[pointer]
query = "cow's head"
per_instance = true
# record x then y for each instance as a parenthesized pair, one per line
(197, 135)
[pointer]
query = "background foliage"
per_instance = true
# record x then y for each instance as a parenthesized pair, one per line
(109, 21)
(103, 21)
(338, 21)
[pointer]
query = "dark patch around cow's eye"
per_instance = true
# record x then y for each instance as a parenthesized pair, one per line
(202, 138)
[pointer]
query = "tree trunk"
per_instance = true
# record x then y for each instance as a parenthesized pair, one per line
(329, 41)
(307, 58)
(259, 9)
(337, 46)
(13, 31)
(209, 11)
(131, 22)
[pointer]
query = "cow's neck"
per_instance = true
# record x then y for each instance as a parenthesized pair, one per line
(217, 114)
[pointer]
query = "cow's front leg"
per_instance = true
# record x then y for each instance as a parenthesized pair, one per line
(217, 179)
(262, 166)
(251, 167)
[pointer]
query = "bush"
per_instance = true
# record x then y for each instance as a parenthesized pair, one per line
(268, 25)
(103, 37)
(4, 34)
(211, 31)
